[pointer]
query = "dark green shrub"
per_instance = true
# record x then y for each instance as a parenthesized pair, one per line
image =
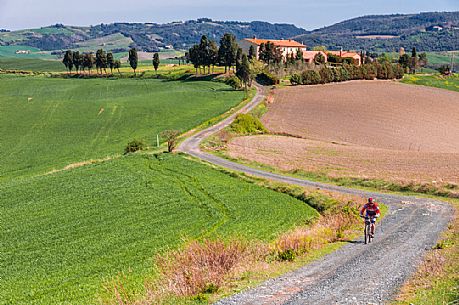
(210, 288)
(234, 82)
(247, 124)
(369, 71)
(326, 75)
(286, 255)
(336, 72)
(348, 60)
(267, 79)
(345, 75)
(399, 71)
(296, 79)
(133, 146)
(331, 58)
(310, 77)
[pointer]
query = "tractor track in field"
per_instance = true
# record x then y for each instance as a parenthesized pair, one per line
(356, 273)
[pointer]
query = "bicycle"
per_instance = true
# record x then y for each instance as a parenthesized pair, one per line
(367, 230)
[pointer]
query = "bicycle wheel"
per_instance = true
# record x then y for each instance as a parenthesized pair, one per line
(366, 233)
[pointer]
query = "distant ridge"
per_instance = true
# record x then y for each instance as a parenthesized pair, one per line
(145, 36)
(433, 31)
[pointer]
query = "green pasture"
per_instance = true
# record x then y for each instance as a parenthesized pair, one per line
(10, 52)
(71, 232)
(31, 64)
(434, 80)
(109, 42)
(48, 123)
(442, 58)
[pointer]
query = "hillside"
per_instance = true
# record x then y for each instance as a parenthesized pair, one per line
(437, 31)
(145, 36)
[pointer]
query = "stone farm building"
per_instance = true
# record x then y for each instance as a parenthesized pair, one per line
(291, 46)
(287, 47)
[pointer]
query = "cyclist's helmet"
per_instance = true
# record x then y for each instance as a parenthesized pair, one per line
(370, 200)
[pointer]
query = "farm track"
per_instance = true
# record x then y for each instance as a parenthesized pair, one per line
(412, 226)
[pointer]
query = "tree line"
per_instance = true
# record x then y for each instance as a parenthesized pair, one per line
(101, 61)
(228, 54)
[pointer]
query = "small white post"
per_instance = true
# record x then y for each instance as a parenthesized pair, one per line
(157, 140)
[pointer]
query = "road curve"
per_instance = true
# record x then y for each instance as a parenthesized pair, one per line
(356, 273)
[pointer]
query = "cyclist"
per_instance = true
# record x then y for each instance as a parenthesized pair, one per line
(371, 210)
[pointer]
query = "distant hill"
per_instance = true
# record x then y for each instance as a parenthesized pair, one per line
(145, 36)
(438, 31)
(426, 31)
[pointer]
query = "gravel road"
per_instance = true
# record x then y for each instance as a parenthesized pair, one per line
(356, 273)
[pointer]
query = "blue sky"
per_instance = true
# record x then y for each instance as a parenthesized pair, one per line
(19, 14)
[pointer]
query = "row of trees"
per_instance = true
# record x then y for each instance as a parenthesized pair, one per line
(207, 53)
(347, 72)
(102, 61)
(83, 61)
(228, 54)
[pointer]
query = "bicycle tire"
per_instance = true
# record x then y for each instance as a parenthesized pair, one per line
(366, 233)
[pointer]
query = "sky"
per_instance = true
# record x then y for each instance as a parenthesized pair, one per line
(22, 14)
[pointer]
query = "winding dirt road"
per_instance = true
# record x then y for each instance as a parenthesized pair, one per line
(356, 273)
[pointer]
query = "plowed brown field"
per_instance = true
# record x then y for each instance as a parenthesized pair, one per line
(367, 129)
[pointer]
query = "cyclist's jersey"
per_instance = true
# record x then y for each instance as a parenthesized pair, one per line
(370, 209)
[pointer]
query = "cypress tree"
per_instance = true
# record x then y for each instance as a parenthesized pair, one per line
(77, 61)
(238, 58)
(228, 51)
(213, 54)
(262, 52)
(243, 73)
(117, 65)
(101, 60)
(133, 59)
(414, 61)
(110, 62)
(156, 62)
(68, 60)
(88, 61)
(299, 55)
(251, 52)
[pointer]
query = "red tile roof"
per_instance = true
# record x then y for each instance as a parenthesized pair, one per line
(345, 54)
(278, 43)
(312, 54)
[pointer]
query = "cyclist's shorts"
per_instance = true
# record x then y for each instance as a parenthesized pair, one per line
(372, 217)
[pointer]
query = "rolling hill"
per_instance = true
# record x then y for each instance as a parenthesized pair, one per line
(437, 31)
(145, 36)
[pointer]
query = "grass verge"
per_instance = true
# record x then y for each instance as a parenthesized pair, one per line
(434, 80)
(437, 278)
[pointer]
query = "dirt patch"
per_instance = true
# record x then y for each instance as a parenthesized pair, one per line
(383, 130)
(339, 160)
(79, 164)
(376, 114)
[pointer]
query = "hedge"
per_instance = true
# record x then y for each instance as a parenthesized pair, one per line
(348, 72)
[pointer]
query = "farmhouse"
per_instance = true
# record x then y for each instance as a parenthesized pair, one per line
(287, 47)
(308, 56)
(290, 46)
(22, 52)
(348, 54)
